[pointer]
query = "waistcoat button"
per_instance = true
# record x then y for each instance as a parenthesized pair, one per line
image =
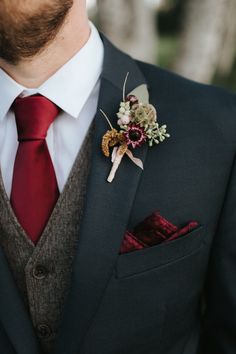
(40, 272)
(43, 330)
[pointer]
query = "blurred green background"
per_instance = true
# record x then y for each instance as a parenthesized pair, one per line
(194, 38)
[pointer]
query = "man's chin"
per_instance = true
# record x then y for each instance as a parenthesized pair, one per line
(23, 36)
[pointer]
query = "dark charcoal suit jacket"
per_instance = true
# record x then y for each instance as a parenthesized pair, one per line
(174, 298)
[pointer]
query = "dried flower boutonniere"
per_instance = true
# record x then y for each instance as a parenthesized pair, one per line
(137, 121)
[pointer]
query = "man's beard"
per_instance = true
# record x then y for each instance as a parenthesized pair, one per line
(26, 32)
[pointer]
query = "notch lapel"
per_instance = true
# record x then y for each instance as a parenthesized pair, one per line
(106, 212)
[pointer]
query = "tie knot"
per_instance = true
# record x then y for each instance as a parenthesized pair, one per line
(34, 115)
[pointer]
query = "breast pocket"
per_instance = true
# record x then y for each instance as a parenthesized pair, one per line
(160, 255)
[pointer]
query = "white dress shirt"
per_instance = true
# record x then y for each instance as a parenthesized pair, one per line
(75, 89)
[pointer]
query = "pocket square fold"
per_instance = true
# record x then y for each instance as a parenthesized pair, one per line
(153, 230)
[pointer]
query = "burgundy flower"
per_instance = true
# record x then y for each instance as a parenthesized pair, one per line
(132, 99)
(135, 135)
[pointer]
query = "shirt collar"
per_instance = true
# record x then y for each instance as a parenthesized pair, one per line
(9, 90)
(70, 87)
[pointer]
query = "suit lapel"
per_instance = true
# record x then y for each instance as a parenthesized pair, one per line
(107, 209)
(13, 314)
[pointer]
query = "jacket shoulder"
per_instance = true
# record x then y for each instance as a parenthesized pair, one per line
(179, 86)
(210, 105)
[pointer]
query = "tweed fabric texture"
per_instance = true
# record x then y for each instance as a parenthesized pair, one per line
(44, 292)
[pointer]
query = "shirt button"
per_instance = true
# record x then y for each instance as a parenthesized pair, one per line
(40, 272)
(44, 331)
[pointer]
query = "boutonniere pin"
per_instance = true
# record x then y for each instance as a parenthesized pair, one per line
(137, 125)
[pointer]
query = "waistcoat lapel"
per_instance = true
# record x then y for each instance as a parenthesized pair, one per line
(106, 212)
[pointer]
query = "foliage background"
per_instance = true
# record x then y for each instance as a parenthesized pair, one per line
(196, 39)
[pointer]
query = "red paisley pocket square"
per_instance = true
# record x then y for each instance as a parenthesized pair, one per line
(155, 229)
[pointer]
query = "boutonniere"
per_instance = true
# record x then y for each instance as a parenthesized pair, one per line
(137, 125)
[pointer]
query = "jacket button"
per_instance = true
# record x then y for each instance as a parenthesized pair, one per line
(44, 331)
(40, 272)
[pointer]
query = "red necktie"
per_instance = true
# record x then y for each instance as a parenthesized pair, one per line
(34, 186)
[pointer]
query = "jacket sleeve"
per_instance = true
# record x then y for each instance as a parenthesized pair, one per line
(219, 320)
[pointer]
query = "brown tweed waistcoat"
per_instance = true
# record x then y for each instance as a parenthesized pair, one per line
(43, 272)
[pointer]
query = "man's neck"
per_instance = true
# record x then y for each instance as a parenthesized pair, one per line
(31, 73)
